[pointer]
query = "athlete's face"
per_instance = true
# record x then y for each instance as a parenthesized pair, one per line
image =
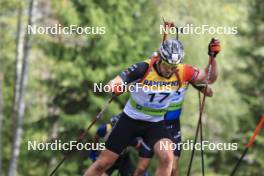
(166, 69)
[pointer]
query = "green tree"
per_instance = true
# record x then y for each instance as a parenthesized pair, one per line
(73, 63)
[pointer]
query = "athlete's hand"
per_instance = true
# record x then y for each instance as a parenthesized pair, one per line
(117, 89)
(207, 92)
(214, 47)
(116, 85)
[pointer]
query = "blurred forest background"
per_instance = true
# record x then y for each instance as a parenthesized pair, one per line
(46, 81)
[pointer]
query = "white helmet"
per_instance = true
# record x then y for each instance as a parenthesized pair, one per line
(171, 51)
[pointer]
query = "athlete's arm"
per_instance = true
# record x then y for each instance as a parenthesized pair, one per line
(130, 75)
(203, 74)
(214, 48)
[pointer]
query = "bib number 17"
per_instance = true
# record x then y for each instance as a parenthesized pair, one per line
(152, 96)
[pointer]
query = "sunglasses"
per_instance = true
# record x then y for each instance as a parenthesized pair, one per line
(168, 65)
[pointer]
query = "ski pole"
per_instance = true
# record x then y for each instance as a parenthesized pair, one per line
(249, 144)
(200, 114)
(82, 135)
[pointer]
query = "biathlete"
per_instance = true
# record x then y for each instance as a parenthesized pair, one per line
(124, 164)
(143, 114)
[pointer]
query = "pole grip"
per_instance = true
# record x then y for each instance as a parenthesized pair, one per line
(167, 25)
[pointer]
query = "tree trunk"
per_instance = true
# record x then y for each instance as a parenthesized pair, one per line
(1, 119)
(18, 59)
(21, 104)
